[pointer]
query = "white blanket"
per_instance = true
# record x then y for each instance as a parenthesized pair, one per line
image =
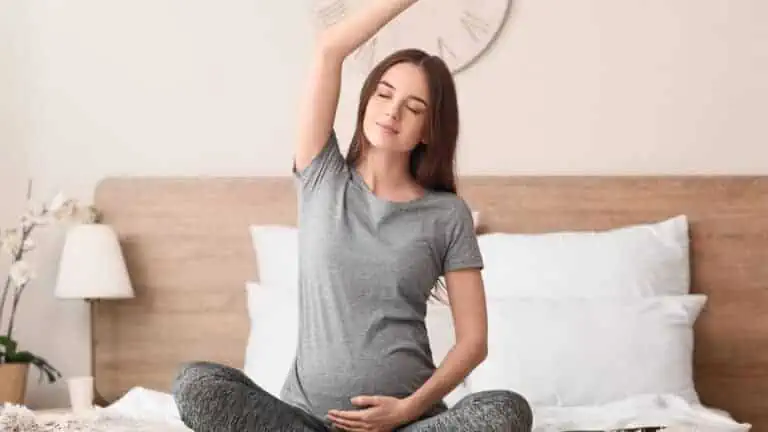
(15, 418)
(143, 410)
(650, 410)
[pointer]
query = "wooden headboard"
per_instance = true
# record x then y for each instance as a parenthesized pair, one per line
(189, 254)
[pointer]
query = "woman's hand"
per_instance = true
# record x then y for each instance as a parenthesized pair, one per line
(381, 414)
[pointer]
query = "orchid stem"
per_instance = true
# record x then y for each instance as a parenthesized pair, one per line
(16, 299)
(17, 256)
(2, 299)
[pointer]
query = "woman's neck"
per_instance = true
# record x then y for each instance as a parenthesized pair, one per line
(387, 174)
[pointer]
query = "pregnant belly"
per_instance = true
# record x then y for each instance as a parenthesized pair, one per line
(331, 383)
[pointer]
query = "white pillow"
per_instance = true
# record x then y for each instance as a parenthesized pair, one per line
(637, 260)
(277, 254)
(644, 259)
(274, 329)
(567, 352)
(274, 326)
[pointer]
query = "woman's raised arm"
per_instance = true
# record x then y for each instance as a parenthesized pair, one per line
(321, 96)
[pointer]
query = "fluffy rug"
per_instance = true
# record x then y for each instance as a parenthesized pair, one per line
(15, 418)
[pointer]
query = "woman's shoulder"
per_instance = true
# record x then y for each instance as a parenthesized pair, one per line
(450, 201)
(453, 209)
(457, 233)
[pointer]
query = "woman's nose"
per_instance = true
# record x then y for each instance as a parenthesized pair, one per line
(393, 110)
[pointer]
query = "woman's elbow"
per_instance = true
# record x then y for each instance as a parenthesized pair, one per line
(329, 48)
(477, 350)
(482, 351)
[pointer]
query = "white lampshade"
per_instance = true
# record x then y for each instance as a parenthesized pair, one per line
(92, 265)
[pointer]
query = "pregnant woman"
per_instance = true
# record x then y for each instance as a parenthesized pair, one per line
(377, 230)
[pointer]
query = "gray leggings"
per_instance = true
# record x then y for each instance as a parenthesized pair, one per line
(216, 398)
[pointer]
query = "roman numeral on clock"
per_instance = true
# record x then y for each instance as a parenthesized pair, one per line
(443, 48)
(474, 24)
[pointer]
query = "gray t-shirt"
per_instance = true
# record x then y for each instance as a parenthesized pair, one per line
(366, 270)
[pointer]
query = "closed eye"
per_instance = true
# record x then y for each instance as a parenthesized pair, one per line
(416, 106)
(385, 85)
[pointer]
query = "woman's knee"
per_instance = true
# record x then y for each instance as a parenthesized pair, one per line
(190, 376)
(507, 405)
(516, 404)
(187, 373)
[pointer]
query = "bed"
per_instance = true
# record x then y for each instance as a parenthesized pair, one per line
(189, 253)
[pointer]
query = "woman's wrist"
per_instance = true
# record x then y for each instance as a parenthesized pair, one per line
(415, 406)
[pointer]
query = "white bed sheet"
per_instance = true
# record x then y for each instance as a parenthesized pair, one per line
(649, 410)
(676, 414)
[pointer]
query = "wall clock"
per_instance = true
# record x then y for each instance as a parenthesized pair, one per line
(459, 31)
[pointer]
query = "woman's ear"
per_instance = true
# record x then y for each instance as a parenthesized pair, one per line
(425, 136)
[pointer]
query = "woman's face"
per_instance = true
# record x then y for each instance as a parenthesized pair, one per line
(397, 111)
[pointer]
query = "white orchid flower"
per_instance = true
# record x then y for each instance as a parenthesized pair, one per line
(21, 273)
(62, 208)
(29, 245)
(66, 212)
(36, 209)
(10, 241)
(35, 215)
(57, 202)
(88, 215)
(28, 221)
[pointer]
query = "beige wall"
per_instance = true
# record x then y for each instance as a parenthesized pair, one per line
(13, 164)
(207, 88)
(54, 330)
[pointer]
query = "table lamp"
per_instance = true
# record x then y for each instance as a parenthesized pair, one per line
(92, 268)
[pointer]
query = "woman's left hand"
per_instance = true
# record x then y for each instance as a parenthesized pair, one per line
(382, 414)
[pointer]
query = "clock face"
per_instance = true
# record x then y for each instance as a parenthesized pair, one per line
(458, 31)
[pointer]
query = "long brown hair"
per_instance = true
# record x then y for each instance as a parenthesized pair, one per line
(431, 165)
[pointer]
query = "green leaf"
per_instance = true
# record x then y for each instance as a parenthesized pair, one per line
(20, 357)
(42, 365)
(9, 345)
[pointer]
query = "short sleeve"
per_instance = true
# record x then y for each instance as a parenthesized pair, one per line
(462, 249)
(327, 164)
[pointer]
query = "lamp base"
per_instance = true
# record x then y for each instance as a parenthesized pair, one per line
(98, 399)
